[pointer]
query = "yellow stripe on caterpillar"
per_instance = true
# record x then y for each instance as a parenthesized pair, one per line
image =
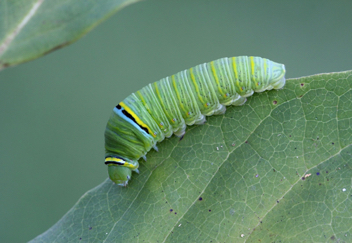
(216, 78)
(120, 162)
(139, 121)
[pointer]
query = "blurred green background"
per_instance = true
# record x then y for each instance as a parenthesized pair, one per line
(54, 109)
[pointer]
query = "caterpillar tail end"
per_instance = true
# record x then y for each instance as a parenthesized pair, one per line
(280, 83)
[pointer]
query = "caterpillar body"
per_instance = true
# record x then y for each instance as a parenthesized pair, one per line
(165, 107)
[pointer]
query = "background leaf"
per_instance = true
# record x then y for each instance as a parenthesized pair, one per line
(32, 28)
(275, 169)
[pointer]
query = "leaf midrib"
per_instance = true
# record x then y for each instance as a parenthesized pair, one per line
(22, 23)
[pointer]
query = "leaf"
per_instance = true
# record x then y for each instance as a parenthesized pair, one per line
(277, 169)
(32, 28)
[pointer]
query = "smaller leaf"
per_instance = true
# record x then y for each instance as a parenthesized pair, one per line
(32, 28)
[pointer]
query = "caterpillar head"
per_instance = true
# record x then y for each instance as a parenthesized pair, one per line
(120, 169)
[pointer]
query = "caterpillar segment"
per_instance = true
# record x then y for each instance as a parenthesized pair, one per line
(165, 107)
(185, 100)
(166, 96)
(203, 89)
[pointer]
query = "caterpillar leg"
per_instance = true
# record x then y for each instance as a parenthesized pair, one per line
(220, 110)
(181, 131)
(240, 101)
(155, 148)
(201, 120)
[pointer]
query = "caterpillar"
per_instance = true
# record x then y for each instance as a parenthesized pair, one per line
(165, 107)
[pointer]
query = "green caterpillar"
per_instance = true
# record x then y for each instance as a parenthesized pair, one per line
(165, 107)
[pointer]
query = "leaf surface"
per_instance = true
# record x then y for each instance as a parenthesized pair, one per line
(277, 169)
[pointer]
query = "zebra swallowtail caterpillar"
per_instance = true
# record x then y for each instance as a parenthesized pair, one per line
(165, 107)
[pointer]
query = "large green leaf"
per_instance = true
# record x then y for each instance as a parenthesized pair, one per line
(32, 28)
(277, 169)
